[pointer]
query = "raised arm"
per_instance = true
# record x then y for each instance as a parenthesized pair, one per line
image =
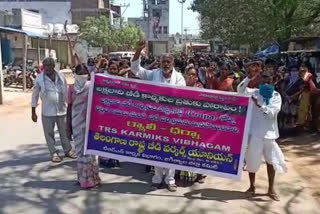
(75, 60)
(136, 68)
(243, 86)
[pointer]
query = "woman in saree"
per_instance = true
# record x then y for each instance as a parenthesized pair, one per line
(225, 80)
(87, 165)
(309, 87)
(291, 90)
(192, 80)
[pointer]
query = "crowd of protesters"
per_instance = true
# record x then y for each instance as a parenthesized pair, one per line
(294, 80)
(268, 81)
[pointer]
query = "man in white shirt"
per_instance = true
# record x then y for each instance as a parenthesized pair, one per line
(264, 128)
(166, 74)
(51, 87)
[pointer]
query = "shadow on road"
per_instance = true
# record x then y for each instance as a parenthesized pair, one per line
(132, 170)
(221, 195)
(29, 179)
(143, 188)
(306, 145)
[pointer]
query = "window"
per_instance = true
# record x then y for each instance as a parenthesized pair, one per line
(156, 13)
(162, 1)
(160, 30)
(165, 30)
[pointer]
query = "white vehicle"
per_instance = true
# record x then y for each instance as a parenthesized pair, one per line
(123, 55)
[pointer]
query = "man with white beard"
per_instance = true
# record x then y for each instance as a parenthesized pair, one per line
(165, 74)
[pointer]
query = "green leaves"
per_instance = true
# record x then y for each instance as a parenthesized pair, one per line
(257, 22)
(99, 33)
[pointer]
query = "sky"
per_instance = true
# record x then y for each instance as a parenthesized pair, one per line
(190, 18)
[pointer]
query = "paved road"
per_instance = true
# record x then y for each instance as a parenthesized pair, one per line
(29, 183)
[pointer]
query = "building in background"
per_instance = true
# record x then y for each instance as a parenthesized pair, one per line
(43, 22)
(80, 9)
(52, 11)
(155, 24)
(59, 11)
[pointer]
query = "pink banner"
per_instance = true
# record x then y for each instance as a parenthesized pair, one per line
(197, 130)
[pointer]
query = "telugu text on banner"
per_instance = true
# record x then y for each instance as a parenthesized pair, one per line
(203, 131)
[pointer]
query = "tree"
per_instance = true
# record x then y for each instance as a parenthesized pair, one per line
(257, 22)
(98, 32)
(127, 37)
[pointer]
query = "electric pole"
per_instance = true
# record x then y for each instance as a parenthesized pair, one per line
(182, 2)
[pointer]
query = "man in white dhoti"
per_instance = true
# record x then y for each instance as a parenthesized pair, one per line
(264, 128)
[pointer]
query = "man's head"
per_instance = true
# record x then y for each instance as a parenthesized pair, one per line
(254, 68)
(48, 65)
(303, 68)
(202, 63)
(235, 67)
(212, 68)
(267, 77)
(91, 62)
(270, 65)
(167, 62)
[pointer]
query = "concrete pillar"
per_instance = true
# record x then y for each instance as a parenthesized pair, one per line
(1, 77)
(24, 61)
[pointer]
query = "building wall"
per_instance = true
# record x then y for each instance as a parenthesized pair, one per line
(79, 15)
(55, 12)
(158, 48)
(81, 9)
(158, 20)
(155, 25)
(76, 4)
(140, 22)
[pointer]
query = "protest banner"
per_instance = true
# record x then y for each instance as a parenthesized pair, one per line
(198, 130)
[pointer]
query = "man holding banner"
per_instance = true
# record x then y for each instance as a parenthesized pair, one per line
(264, 128)
(169, 127)
(166, 74)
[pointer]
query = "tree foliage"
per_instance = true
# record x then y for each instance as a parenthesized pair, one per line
(98, 32)
(257, 22)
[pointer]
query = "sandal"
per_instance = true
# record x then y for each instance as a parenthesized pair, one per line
(251, 191)
(56, 158)
(274, 196)
(172, 188)
(201, 179)
(71, 154)
(155, 187)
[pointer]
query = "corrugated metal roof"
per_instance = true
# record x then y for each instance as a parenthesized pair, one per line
(28, 33)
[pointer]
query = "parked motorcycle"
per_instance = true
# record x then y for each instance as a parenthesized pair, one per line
(15, 76)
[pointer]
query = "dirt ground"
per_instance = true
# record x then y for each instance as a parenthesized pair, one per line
(303, 152)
